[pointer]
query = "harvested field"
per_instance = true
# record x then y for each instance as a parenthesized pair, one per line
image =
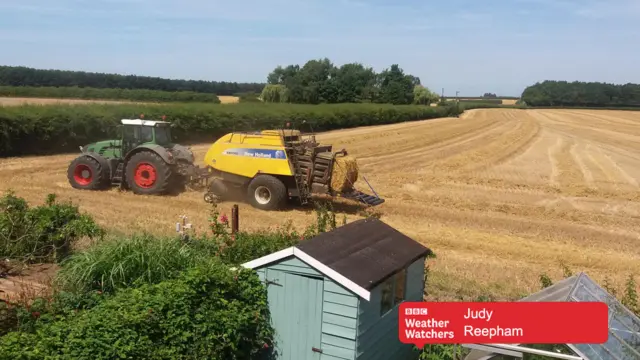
(501, 195)
(228, 99)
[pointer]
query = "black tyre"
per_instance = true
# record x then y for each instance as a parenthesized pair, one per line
(219, 188)
(86, 173)
(266, 192)
(148, 174)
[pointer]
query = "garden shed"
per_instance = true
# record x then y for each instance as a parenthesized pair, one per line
(336, 295)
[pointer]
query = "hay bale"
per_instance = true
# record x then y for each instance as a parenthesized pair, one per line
(344, 173)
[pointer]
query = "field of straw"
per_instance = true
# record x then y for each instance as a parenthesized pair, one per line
(228, 99)
(500, 195)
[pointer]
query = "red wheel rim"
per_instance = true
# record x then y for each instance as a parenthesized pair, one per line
(82, 174)
(145, 175)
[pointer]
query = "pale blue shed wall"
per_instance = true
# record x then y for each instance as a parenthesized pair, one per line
(378, 335)
(339, 311)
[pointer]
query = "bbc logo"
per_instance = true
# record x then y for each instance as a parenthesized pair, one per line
(416, 311)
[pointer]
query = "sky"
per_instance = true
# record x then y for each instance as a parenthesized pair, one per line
(470, 46)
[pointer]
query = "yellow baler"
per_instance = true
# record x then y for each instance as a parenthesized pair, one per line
(271, 166)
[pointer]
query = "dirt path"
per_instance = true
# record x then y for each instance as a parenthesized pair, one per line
(501, 195)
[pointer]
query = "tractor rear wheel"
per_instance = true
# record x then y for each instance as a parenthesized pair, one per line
(86, 173)
(266, 192)
(148, 174)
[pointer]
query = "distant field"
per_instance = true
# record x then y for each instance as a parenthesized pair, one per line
(480, 100)
(11, 101)
(16, 101)
(229, 99)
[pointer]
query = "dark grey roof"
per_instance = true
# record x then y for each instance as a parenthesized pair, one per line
(624, 325)
(366, 251)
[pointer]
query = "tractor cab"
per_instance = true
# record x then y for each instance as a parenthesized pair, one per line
(136, 132)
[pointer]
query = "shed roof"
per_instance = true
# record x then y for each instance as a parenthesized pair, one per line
(359, 255)
(624, 325)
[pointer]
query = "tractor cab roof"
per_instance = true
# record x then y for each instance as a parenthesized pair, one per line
(143, 122)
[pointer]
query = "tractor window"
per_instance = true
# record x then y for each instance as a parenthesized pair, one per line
(129, 133)
(146, 134)
(163, 135)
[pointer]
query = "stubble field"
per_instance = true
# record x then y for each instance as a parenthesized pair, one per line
(500, 195)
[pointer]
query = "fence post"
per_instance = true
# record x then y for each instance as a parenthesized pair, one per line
(235, 219)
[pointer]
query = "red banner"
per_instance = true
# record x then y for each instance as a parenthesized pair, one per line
(423, 323)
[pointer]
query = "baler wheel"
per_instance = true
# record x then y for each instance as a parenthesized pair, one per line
(267, 192)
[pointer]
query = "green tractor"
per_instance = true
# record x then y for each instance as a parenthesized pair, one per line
(143, 160)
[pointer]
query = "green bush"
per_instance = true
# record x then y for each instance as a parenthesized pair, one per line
(209, 312)
(42, 233)
(75, 92)
(33, 129)
(249, 97)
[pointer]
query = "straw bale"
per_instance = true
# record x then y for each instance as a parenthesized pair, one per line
(345, 173)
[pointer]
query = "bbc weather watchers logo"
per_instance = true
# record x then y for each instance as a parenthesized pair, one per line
(256, 153)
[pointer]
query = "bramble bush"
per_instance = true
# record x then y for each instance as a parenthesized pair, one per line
(42, 233)
(75, 92)
(34, 129)
(208, 312)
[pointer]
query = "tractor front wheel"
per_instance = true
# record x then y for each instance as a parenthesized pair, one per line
(148, 174)
(266, 192)
(85, 173)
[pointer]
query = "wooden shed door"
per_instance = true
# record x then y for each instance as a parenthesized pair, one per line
(295, 302)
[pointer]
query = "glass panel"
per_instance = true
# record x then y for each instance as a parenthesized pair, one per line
(401, 283)
(128, 133)
(589, 351)
(163, 135)
(387, 296)
(146, 134)
(631, 338)
(622, 315)
(582, 295)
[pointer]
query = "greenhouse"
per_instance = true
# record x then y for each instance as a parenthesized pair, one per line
(624, 327)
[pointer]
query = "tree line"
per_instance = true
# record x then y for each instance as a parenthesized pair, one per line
(582, 94)
(24, 76)
(75, 92)
(320, 81)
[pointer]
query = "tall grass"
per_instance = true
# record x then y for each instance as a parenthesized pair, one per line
(127, 262)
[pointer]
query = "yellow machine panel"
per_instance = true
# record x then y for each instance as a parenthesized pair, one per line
(246, 154)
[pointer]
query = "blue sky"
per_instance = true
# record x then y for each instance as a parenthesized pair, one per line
(473, 46)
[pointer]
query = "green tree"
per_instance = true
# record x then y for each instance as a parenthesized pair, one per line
(424, 96)
(395, 86)
(275, 93)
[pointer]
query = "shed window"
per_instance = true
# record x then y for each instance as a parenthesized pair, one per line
(401, 285)
(387, 296)
(393, 291)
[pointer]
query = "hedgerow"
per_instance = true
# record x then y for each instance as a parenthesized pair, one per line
(33, 129)
(75, 92)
